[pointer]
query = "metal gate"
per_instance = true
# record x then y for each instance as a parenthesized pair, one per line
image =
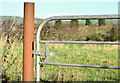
(38, 52)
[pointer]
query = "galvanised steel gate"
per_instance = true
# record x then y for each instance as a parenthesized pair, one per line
(47, 53)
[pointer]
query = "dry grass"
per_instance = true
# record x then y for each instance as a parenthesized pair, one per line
(11, 46)
(11, 59)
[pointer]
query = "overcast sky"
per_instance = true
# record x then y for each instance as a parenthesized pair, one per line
(47, 8)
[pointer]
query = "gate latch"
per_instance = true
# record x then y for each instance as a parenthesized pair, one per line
(43, 53)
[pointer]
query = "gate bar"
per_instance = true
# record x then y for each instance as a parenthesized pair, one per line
(81, 65)
(84, 17)
(82, 42)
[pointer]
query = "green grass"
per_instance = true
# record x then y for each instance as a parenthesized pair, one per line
(81, 54)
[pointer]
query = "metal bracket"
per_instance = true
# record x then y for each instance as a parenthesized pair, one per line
(43, 53)
(46, 53)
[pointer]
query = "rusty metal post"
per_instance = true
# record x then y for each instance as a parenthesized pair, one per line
(28, 58)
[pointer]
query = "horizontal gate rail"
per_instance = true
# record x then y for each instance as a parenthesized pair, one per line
(81, 65)
(83, 17)
(82, 42)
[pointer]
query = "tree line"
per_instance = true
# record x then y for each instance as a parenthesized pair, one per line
(88, 22)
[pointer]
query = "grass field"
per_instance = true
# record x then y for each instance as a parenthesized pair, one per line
(12, 52)
(81, 54)
(67, 53)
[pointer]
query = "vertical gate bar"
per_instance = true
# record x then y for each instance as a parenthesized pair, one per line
(37, 58)
(38, 49)
(37, 68)
(28, 57)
